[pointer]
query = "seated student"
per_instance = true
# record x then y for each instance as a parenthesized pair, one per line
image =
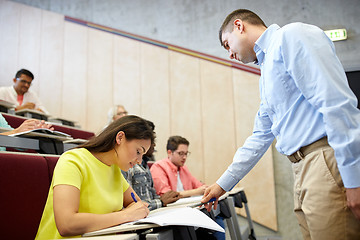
(20, 93)
(88, 191)
(28, 124)
(116, 112)
(140, 179)
(172, 174)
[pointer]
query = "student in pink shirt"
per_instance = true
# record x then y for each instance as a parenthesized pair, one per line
(171, 172)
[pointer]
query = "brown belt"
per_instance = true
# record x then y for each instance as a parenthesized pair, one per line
(303, 151)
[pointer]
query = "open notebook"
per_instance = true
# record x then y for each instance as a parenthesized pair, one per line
(183, 216)
(44, 132)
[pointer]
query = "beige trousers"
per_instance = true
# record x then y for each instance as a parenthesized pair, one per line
(320, 199)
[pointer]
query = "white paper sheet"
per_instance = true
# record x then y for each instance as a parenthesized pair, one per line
(182, 216)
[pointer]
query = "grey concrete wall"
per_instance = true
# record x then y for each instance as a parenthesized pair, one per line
(194, 24)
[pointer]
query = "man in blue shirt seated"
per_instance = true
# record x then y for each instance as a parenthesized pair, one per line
(307, 105)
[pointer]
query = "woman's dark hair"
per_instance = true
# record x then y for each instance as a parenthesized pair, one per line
(134, 127)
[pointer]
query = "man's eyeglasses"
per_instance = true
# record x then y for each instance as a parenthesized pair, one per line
(182, 154)
(24, 81)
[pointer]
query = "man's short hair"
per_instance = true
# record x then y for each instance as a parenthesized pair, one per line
(174, 142)
(25, 72)
(243, 14)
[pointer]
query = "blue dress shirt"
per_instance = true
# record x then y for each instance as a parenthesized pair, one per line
(304, 97)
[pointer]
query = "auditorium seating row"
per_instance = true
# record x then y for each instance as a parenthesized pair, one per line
(24, 184)
(15, 121)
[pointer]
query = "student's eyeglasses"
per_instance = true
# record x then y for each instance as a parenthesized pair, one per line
(24, 81)
(182, 154)
(122, 113)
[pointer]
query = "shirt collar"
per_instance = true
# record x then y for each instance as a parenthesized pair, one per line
(13, 90)
(173, 166)
(261, 45)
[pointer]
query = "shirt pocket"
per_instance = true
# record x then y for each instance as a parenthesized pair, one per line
(278, 87)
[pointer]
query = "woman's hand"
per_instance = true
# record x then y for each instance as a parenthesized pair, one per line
(31, 124)
(132, 210)
(136, 211)
(71, 222)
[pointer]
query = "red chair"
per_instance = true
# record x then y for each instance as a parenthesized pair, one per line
(24, 186)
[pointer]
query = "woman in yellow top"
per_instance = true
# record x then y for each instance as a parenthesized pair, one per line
(88, 191)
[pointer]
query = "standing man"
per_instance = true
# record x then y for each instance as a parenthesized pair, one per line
(307, 105)
(20, 94)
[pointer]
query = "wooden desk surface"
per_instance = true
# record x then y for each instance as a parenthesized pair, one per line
(18, 142)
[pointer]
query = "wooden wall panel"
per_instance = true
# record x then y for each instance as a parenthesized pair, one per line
(185, 108)
(99, 83)
(29, 42)
(154, 93)
(247, 102)
(51, 59)
(259, 183)
(127, 84)
(9, 41)
(217, 119)
(75, 74)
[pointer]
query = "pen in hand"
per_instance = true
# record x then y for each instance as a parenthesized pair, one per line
(136, 200)
(203, 204)
(145, 205)
(133, 197)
